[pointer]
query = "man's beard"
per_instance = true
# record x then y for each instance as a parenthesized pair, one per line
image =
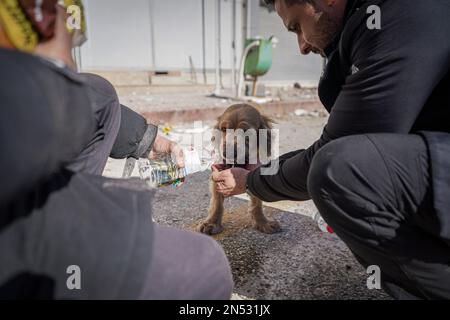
(327, 28)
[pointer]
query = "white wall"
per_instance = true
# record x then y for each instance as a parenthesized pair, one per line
(120, 35)
(178, 33)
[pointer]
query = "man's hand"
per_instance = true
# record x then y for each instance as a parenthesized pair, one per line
(230, 182)
(163, 146)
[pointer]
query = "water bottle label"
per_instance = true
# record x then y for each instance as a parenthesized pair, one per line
(192, 161)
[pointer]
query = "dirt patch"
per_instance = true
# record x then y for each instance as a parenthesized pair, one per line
(234, 221)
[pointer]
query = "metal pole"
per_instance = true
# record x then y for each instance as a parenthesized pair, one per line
(249, 19)
(193, 71)
(233, 50)
(76, 54)
(218, 87)
(205, 80)
(220, 43)
(152, 34)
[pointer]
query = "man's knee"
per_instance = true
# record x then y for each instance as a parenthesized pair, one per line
(336, 172)
(188, 266)
(207, 272)
(332, 164)
(216, 270)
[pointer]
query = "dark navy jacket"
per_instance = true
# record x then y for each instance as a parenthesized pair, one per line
(392, 80)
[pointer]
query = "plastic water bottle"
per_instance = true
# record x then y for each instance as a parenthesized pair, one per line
(159, 173)
(164, 172)
(323, 226)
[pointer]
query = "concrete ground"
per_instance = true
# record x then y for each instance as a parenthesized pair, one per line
(145, 99)
(174, 104)
(301, 262)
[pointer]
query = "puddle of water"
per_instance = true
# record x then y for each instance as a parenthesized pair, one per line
(243, 252)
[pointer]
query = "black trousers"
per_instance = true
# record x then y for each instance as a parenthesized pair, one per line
(375, 192)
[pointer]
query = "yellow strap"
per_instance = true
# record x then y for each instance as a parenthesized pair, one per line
(20, 31)
(16, 26)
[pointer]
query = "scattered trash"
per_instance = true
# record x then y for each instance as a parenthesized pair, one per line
(258, 100)
(300, 112)
(305, 113)
(167, 129)
(192, 130)
(323, 226)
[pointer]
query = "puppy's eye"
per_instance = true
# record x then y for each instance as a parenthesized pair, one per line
(295, 28)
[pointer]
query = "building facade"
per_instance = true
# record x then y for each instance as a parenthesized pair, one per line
(182, 35)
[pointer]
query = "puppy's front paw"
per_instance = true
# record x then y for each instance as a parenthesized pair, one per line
(210, 228)
(268, 227)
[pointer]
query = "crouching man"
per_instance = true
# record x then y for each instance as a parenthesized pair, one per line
(380, 172)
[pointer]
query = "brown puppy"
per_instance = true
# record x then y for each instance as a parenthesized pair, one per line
(245, 117)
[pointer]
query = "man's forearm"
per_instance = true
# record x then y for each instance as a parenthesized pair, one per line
(279, 186)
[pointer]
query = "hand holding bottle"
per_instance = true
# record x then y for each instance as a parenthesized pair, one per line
(163, 147)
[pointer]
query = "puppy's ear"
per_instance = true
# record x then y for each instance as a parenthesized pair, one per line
(266, 123)
(218, 120)
(215, 137)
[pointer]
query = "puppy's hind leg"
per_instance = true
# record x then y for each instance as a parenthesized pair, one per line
(213, 223)
(261, 223)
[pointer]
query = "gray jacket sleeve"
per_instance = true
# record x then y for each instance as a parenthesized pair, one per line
(135, 138)
(41, 130)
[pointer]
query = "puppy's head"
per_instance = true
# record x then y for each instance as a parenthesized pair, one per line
(239, 128)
